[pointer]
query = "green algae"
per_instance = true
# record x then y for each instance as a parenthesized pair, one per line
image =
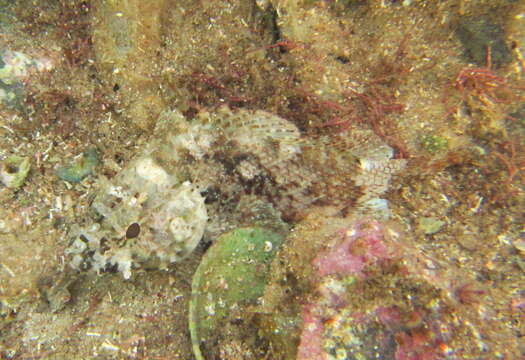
(232, 274)
(84, 166)
(434, 143)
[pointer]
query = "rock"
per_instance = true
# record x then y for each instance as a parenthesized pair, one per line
(231, 277)
(83, 167)
(429, 225)
(366, 292)
(479, 33)
(14, 171)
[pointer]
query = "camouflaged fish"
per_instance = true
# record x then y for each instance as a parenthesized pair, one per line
(216, 172)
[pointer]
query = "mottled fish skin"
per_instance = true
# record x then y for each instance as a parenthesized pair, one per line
(229, 160)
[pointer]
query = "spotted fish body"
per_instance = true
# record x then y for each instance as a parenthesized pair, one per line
(211, 174)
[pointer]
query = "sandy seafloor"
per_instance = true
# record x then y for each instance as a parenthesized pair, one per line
(415, 72)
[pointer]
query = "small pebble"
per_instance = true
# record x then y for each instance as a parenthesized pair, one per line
(80, 169)
(133, 231)
(430, 225)
(14, 170)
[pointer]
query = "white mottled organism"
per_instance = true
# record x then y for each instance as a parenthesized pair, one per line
(178, 225)
(170, 218)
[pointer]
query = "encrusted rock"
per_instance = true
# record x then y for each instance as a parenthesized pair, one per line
(14, 170)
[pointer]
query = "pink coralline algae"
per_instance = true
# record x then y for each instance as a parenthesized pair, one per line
(360, 247)
(311, 338)
(337, 326)
(419, 337)
(362, 288)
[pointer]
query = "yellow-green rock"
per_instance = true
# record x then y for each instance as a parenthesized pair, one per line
(14, 171)
(430, 225)
(231, 277)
